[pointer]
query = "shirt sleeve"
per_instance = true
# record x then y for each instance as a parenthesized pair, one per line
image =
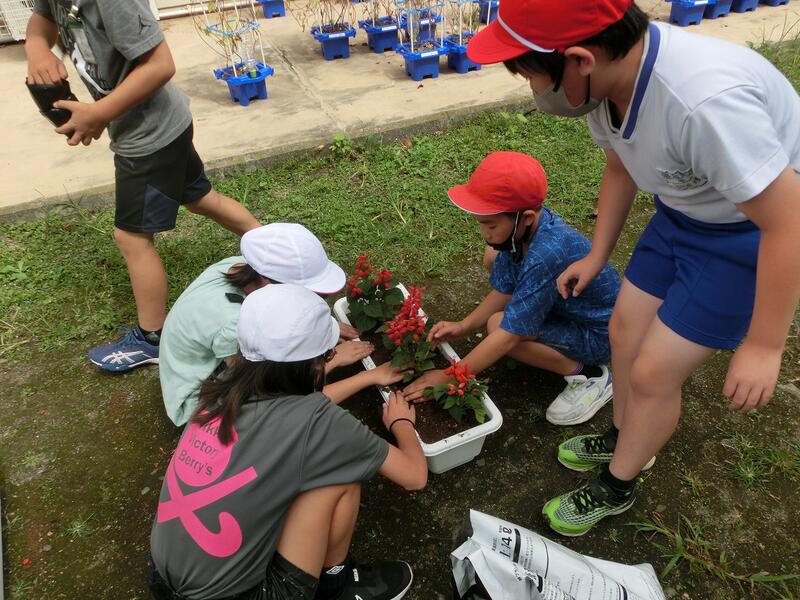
(502, 279)
(42, 7)
(531, 301)
(130, 26)
(731, 141)
(340, 449)
(596, 129)
(226, 342)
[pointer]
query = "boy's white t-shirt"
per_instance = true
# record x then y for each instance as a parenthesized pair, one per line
(711, 124)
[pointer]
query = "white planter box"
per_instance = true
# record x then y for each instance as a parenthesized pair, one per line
(456, 449)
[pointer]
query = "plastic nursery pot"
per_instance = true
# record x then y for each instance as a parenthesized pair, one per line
(457, 54)
(454, 450)
(334, 41)
(381, 36)
(424, 23)
(720, 8)
(246, 82)
(774, 2)
(687, 13)
(740, 6)
(488, 10)
(424, 62)
(273, 8)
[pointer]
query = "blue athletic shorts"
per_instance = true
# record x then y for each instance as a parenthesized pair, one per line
(578, 342)
(704, 272)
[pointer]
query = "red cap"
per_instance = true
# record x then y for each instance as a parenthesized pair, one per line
(503, 182)
(543, 26)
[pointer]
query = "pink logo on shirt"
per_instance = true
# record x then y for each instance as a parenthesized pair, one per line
(200, 460)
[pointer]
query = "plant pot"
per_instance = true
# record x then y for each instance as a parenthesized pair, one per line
(424, 22)
(457, 55)
(488, 10)
(334, 44)
(273, 8)
(381, 36)
(245, 85)
(687, 13)
(774, 2)
(740, 6)
(457, 449)
(720, 8)
(423, 63)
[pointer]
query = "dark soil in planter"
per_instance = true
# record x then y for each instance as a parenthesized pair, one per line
(433, 422)
(425, 46)
(465, 37)
(333, 28)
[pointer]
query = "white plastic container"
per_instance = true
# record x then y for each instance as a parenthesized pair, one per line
(454, 450)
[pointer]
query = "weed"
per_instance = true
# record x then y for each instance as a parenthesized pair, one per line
(685, 543)
(13, 520)
(692, 482)
(30, 460)
(342, 146)
(79, 528)
(20, 588)
(754, 465)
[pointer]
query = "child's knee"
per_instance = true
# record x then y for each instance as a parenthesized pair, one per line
(649, 379)
(130, 243)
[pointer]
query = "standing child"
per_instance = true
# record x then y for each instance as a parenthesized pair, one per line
(122, 57)
(525, 317)
(711, 129)
(261, 497)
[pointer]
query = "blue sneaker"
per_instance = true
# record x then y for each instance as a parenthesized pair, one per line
(126, 354)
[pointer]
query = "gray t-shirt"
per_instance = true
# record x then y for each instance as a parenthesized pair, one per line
(104, 43)
(222, 508)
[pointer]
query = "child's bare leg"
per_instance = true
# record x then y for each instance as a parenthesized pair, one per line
(226, 211)
(633, 315)
(148, 278)
(536, 354)
(319, 527)
(653, 406)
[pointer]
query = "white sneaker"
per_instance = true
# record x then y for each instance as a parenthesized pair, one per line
(581, 399)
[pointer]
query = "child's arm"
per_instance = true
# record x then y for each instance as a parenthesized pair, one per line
(753, 371)
(154, 69)
(380, 376)
(617, 192)
(405, 464)
(43, 65)
(445, 331)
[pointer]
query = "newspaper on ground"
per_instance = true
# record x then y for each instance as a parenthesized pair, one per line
(502, 561)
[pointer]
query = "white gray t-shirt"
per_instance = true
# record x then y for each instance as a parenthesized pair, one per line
(104, 42)
(711, 124)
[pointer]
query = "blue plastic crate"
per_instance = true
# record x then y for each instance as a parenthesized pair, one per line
(488, 10)
(425, 21)
(687, 13)
(740, 6)
(273, 8)
(774, 2)
(457, 55)
(335, 44)
(423, 63)
(382, 36)
(720, 8)
(249, 84)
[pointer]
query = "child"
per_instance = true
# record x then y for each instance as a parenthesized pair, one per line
(525, 317)
(120, 53)
(261, 497)
(710, 128)
(200, 330)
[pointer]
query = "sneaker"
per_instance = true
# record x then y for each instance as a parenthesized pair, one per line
(581, 399)
(128, 353)
(382, 580)
(574, 513)
(585, 452)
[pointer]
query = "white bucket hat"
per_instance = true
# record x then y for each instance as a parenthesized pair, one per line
(290, 253)
(285, 323)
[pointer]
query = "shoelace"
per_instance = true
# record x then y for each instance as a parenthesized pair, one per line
(573, 386)
(595, 445)
(585, 499)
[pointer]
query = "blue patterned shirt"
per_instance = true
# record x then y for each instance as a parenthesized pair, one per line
(532, 282)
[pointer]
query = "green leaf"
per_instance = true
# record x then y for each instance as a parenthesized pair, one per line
(449, 403)
(374, 309)
(393, 296)
(408, 377)
(426, 366)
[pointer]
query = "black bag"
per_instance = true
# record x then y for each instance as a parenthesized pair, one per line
(45, 94)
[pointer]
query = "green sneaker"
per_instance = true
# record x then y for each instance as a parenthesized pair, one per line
(574, 513)
(584, 452)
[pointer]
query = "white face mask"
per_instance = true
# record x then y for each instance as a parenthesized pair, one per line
(555, 102)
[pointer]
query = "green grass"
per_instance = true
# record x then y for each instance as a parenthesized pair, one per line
(755, 464)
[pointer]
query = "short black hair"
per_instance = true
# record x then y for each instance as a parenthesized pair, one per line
(242, 275)
(617, 40)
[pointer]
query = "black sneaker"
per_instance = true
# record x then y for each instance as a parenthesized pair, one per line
(383, 580)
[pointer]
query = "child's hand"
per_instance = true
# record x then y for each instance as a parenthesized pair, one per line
(752, 376)
(85, 124)
(347, 332)
(45, 67)
(350, 352)
(398, 408)
(414, 390)
(578, 275)
(386, 375)
(447, 331)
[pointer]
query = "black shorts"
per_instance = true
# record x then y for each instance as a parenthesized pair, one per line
(151, 188)
(283, 581)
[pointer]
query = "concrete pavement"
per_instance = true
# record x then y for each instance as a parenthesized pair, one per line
(310, 101)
